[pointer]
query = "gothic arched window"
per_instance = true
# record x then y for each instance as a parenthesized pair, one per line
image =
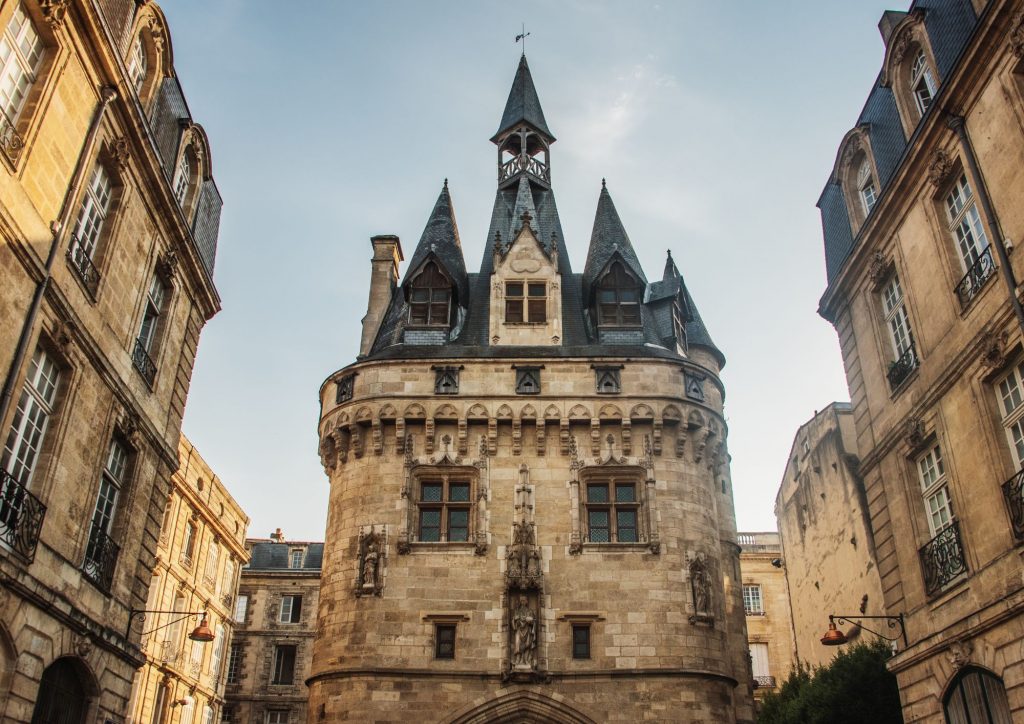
(618, 298)
(430, 298)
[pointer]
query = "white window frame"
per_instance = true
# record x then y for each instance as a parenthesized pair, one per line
(1010, 390)
(212, 559)
(92, 214)
(931, 471)
(156, 295)
(866, 187)
(965, 223)
(277, 716)
(296, 554)
(897, 321)
(753, 599)
(922, 82)
(182, 179)
(31, 418)
(21, 55)
(759, 659)
(218, 650)
(137, 65)
(241, 607)
(287, 606)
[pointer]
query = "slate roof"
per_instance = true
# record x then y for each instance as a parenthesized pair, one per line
(267, 555)
(949, 25)
(671, 285)
(471, 335)
(440, 240)
(523, 104)
(607, 239)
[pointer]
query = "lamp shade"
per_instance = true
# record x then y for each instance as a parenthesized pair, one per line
(202, 632)
(833, 637)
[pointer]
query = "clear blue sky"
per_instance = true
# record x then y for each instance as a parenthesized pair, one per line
(716, 125)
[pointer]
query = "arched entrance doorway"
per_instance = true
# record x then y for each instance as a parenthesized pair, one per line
(64, 693)
(522, 707)
(976, 696)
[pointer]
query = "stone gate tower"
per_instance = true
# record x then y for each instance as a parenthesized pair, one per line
(531, 516)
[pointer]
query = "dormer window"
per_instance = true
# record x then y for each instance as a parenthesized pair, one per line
(526, 302)
(922, 82)
(618, 298)
(430, 298)
(866, 185)
(137, 65)
(181, 179)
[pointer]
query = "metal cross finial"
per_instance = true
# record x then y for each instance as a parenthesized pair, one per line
(522, 38)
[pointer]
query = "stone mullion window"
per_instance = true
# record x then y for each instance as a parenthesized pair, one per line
(612, 510)
(618, 298)
(430, 296)
(444, 512)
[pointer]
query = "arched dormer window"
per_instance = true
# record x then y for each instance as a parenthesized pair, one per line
(922, 82)
(137, 65)
(618, 298)
(866, 187)
(182, 179)
(430, 297)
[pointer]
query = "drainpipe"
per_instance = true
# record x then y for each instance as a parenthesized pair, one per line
(959, 126)
(107, 95)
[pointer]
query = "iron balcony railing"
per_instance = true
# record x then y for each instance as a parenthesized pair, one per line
(143, 362)
(975, 277)
(764, 682)
(900, 368)
(531, 165)
(942, 559)
(81, 262)
(1013, 491)
(100, 558)
(21, 517)
(11, 141)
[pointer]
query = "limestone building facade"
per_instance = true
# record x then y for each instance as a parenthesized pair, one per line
(766, 604)
(275, 619)
(531, 514)
(921, 218)
(109, 218)
(828, 545)
(200, 555)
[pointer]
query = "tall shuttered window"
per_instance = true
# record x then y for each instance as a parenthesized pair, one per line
(21, 55)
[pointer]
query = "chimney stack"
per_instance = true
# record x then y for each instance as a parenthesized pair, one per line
(387, 253)
(890, 19)
(277, 535)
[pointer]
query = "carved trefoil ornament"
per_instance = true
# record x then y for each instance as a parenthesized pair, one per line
(372, 549)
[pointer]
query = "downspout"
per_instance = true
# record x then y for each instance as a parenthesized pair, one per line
(959, 126)
(107, 95)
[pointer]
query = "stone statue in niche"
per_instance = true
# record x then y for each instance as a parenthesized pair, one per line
(702, 590)
(371, 550)
(524, 636)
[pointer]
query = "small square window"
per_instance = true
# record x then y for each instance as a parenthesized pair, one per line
(527, 380)
(580, 641)
(345, 386)
(444, 641)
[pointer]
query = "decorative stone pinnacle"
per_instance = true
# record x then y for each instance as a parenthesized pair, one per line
(604, 184)
(446, 184)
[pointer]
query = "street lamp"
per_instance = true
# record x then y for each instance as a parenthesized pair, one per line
(200, 633)
(835, 637)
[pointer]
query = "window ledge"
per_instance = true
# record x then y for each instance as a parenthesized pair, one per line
(442, 546)
(616, 547)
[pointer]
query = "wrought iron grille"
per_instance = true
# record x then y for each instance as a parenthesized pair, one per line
(100, 558)
(901, 368)
(975, 277)
(531, 165)
(765, 682)
(81, 262)
(942, 559)
(1013, 491)
(143, 362)
(11, 141)
(21, 517)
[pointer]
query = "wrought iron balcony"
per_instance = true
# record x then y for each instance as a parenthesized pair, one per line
(764, 682)
(21, 517)
(1013, 491)
(901, 368)
(11, 141)
(100, 558)
(975, 278)
(143, 362)
(942, 559)
(81, 262)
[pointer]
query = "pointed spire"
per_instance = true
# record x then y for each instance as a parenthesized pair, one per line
(671, 271)
(523, 104)
(440, 240)
(608, 239)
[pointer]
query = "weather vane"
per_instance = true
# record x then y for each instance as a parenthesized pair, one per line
(521, 38)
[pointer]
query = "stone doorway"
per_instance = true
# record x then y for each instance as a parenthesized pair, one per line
(64, 693)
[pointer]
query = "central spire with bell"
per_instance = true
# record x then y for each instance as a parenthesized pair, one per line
(523, 138)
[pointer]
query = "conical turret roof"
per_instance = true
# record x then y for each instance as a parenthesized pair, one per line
(606, 240)
(672, 284)
(523, 104)
(440, 239)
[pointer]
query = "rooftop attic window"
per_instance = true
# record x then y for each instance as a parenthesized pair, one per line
(866, 185)
(618, 298)
(430, 298)
(922, 82)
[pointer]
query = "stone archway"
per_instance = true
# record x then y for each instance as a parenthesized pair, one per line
(65, 691)
(522, 707)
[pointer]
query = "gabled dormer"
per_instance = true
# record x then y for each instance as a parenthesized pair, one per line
(613, 280)
(526, 298)
(523, 138)
(669, 305)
